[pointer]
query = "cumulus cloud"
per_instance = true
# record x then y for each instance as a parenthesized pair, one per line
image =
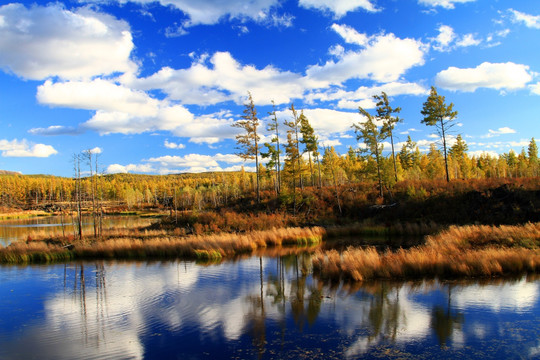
(325, 122)
(23, 148)
(55, 130)
(531, 21)
(172, 145)
(384, 58)
(363, 96)
(131, 168)
(499, 131)
(350, 35)
(447, 4)
(500, 76)
(97, 94)
(47, 41)
(223, 79)
(339, 7)
(448, 40)
(209, 12)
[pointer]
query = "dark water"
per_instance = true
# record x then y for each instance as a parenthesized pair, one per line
(21, 229)
(256, 308)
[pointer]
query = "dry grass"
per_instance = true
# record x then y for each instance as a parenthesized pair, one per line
(154, 244)
(469, 251)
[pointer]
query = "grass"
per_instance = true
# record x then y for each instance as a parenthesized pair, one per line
(158, 244)
(467, 251)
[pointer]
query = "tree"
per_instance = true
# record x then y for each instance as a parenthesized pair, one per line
(533, 157)
(437, 113)
(294, 129)
(310, 142)
(384, 114)
(372, 137)
(406, 153)
(458, 153)
(248, 142)
(273, 150)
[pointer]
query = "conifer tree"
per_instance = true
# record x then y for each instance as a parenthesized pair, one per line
(294, 129)
(533, 157)
(248, 142)
(384, 114)
(274, 151)
(310, 141)
(372, 137)
(437, 113)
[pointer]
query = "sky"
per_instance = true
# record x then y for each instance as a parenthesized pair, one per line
(153, 87)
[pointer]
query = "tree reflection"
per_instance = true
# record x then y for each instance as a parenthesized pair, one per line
(445, 321)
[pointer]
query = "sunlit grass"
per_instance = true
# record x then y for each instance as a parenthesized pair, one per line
(136, 244)
(468, 251)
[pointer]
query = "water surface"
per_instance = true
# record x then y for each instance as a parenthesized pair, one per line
(256, 308)
(22, 229)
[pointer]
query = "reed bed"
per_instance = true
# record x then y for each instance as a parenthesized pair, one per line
(203, 247)
(468, 251)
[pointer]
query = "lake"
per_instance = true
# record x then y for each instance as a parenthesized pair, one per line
(257, 308)
(21, 229)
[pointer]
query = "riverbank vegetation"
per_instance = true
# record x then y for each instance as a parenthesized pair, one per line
(302, 189)
(467, 251)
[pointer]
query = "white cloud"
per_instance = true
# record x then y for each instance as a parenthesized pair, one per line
(535, 88)
(41, 42)
(23, 148)
(499, 131)
(500, 76)
(54, 130)
(363, 96)
(326, 122)
(195, 162)
(339, 7)
(447, 4)
(350, 35)
(96, 150)
(97, 94)
(131, 168)
(385, 58)
(171, 145)
(448, 40)
(224, 79)
(479, 153)
(209, 12)
(530, 21)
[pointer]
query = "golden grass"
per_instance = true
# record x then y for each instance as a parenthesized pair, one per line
(468, 251)
(148, 245)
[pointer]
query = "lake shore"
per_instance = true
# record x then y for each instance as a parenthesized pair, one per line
(459, 251)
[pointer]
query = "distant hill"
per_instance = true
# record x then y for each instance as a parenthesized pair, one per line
(5, 172)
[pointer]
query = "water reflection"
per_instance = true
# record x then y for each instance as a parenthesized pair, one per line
(255, 308)
(21, 229)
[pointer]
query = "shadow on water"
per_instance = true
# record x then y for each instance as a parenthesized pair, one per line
(257, 307)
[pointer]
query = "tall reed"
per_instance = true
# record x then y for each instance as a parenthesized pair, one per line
(471, 251)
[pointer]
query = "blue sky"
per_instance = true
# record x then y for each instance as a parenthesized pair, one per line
(154, 87)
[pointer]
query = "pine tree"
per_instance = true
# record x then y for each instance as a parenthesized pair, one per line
(437, 113)
(310, 141)
(533, 157)
(248, 142)
(274, 151)
(384, 114)
(372, 137)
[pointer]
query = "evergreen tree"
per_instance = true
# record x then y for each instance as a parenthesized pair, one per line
(533, 157)
(384, 114)
(248, 142)
(372, 137)
(274, 151)
(437, 113)
(310, 141)
(406, 153)
(294, 129)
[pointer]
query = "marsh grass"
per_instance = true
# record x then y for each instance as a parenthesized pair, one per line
(158, 244)
(468, 251)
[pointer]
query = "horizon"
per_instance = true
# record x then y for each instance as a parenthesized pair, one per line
(154, 87)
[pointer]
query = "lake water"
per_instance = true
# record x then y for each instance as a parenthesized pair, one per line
(256, 308)
(21, 229)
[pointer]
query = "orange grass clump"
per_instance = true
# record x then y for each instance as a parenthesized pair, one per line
(214, 246)
(468, 251)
